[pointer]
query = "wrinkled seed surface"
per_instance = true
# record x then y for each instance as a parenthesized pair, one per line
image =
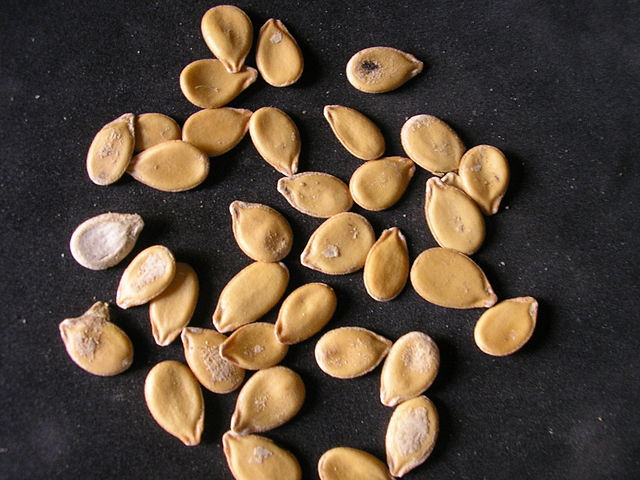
(315, 193)
(276, 137)
(379, 184)
(381, 69)
(484, 172)
(278, 56)
(228, 32)
(254, 347)
(344, 463)
(154, 128)
(215, 131)
(111, 150)
(387, 266)
(356, 132)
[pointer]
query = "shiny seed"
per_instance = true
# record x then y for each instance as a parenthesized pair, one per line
(387, 266)
(215, 131)
(228, 33)
(484, 172)
(381, 69)
(379, 184)
(154, 128)
(315, 193)
(278, 56)
(254, 347)
(95, 344)
(344, 463)
(111, 150)
(276, 138)
(357, 133)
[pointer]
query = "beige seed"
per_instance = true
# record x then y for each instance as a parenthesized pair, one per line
(432, 144)
(278, 56)
(305, 312)
(484, 172)
(453, 179)
(411, 435)
(379, 184)
(174, 398)
(381, 69)
(350, 352)
(506, 327)
(207, 84)
(146, 277)
(201, 350)
(95, 344)
(357, 133)
(387, 266)
(340, 245)
(249, 295)
(276, 138)
(450, 279)
(154, 128)
(215, 131)
(104, 240)
(409, 369)
(252, 457)
(111, 150)
(454, 219)
(254, 347)
(228, 33)
(344, 463)
(315, 193)
(261, 232)
(173, 166)
(171, 311)
(270, 398)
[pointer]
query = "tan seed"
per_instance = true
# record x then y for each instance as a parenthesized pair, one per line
(254, 347)
(357, 133)
(276, 138)
(111, 150)
(215, 131)
(154, 128)
(379, 184)
(387, 266)
(381, 69)
(278, 56)
(453, 179)
(484, 171)
(228, 33)
(344, 463)
(315, 193)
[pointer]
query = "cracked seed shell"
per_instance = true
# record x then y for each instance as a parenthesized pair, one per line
(275, 136)
(254, 347)
(387, 266)
(379, 184)
(316, 193)
(345, 463)
(381, 69)
(278, 56)
(111, 150)
(228, 32)
(356, 132)
(215, 131)
(154, 128)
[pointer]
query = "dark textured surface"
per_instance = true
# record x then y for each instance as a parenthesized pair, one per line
(553, 84)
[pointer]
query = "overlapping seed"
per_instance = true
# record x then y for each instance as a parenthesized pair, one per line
(379, 184)
(278, 56)
(386, 268)
(357, 133)
(381, 69)
(315, 193)
(215, 131)
(154, 128)
(228, 33)
(344, 463)
(111, 150)
(276, 137)
(254, 347)
(484, 172)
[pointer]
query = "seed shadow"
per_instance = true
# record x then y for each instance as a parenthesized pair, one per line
(543, 328)
(517, 172)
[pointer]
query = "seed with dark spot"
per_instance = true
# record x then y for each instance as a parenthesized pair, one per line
(369, 66)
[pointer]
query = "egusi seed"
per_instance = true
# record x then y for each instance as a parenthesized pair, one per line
(381, 69)
(215, 131)
(379, 184)
(111, 150)
(344, 463)
(278, 56)
(315, 193)
(484, 171)
(276, 138)
(154, 128)
(228, 33)
(386, 268)
(357, 133)
(254, 347)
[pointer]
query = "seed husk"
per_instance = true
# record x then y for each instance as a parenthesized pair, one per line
(276, 137)
(387, 266)
(278, 56)
(228, 32)
(215, 131)
(111, 150)
(252, 457)
(506, 327)
(344, 463)
(350, 352)
(173, 166)
(340, 245)
(154, 128)
(411, 435)
(254, 347)
(207, 84)
(105, 240)
(356, 132)
(174, 398)
(409, 369)
(95, 344)
(261, 232)
(249, 295)
(448, 278)
(201, 350)
(379, 184)
(432, 144)
(484, 172)
(305, 312)
(171, 311)
(381, 69)
(315, 193)
(146, 277)
(270, 398)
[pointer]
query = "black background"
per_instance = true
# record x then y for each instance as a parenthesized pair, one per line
(553, 84)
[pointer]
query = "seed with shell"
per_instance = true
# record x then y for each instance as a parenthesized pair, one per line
(270, 398)
(111, 150)
(276, 137)
(215, 131)
(357, 133)
(315, 193)
(344, 463)
(379, 184)
(350, 352)
(154, 128)
(381, 69)
(387, 266)
(278, 56)
(95, 344)
(228, 32)
(254, 347)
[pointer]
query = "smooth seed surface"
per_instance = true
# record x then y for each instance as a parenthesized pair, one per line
(387, 266)
(381, 69)
(344, 463)
(278, 56)
(315, 193)
(215, 131)
(357, 133)
(484, 172)
(111, 150)
(228, 32)
(276, 137)
(379, 184)
(254, 347)
(154, 128)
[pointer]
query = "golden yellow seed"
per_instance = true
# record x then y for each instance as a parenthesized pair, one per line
(278, 56)
(154, 128)
(344, 463)
(357, 133)
(381, 69)
(484, 172)
(315, 193)
(111, 150)
(276, 138)
(379, 184)
(215, 131)
(387, 266)
(254, 347)
(228, 32)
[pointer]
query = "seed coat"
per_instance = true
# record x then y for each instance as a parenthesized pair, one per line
(386, 268)
(381, 69)
(379, 184)
(278, 56)
(215, 131)
(154, 128)
(111, 150)
(315, 193)
(254, 347)
(228, 32)
(276, 137)
(356, 132)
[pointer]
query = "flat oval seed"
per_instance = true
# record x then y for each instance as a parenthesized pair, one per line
(228, 33)
(381, 69)
(201, 350)
(261, 232)
(173, 166)
(95, 344)
(111, 150)
(387, 266)
(278, 56)
(270, 398)
(454, 219)
(484, 171)
(305, 312)
(350, 352)
(254, 347)
(450, 279)
(315, 193)
(252, 457)
(379, 184)
(432, 144)
(276, 138)
(215, 131)
(344, 463)
(357, 133)
(207, 84)
(249, 295)
(340, 245)
(171, 311)
(146, 277)
(506, 327)
(154, 128)
(411, 435)
(104, 240)
(409, 369)
(174, 398)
